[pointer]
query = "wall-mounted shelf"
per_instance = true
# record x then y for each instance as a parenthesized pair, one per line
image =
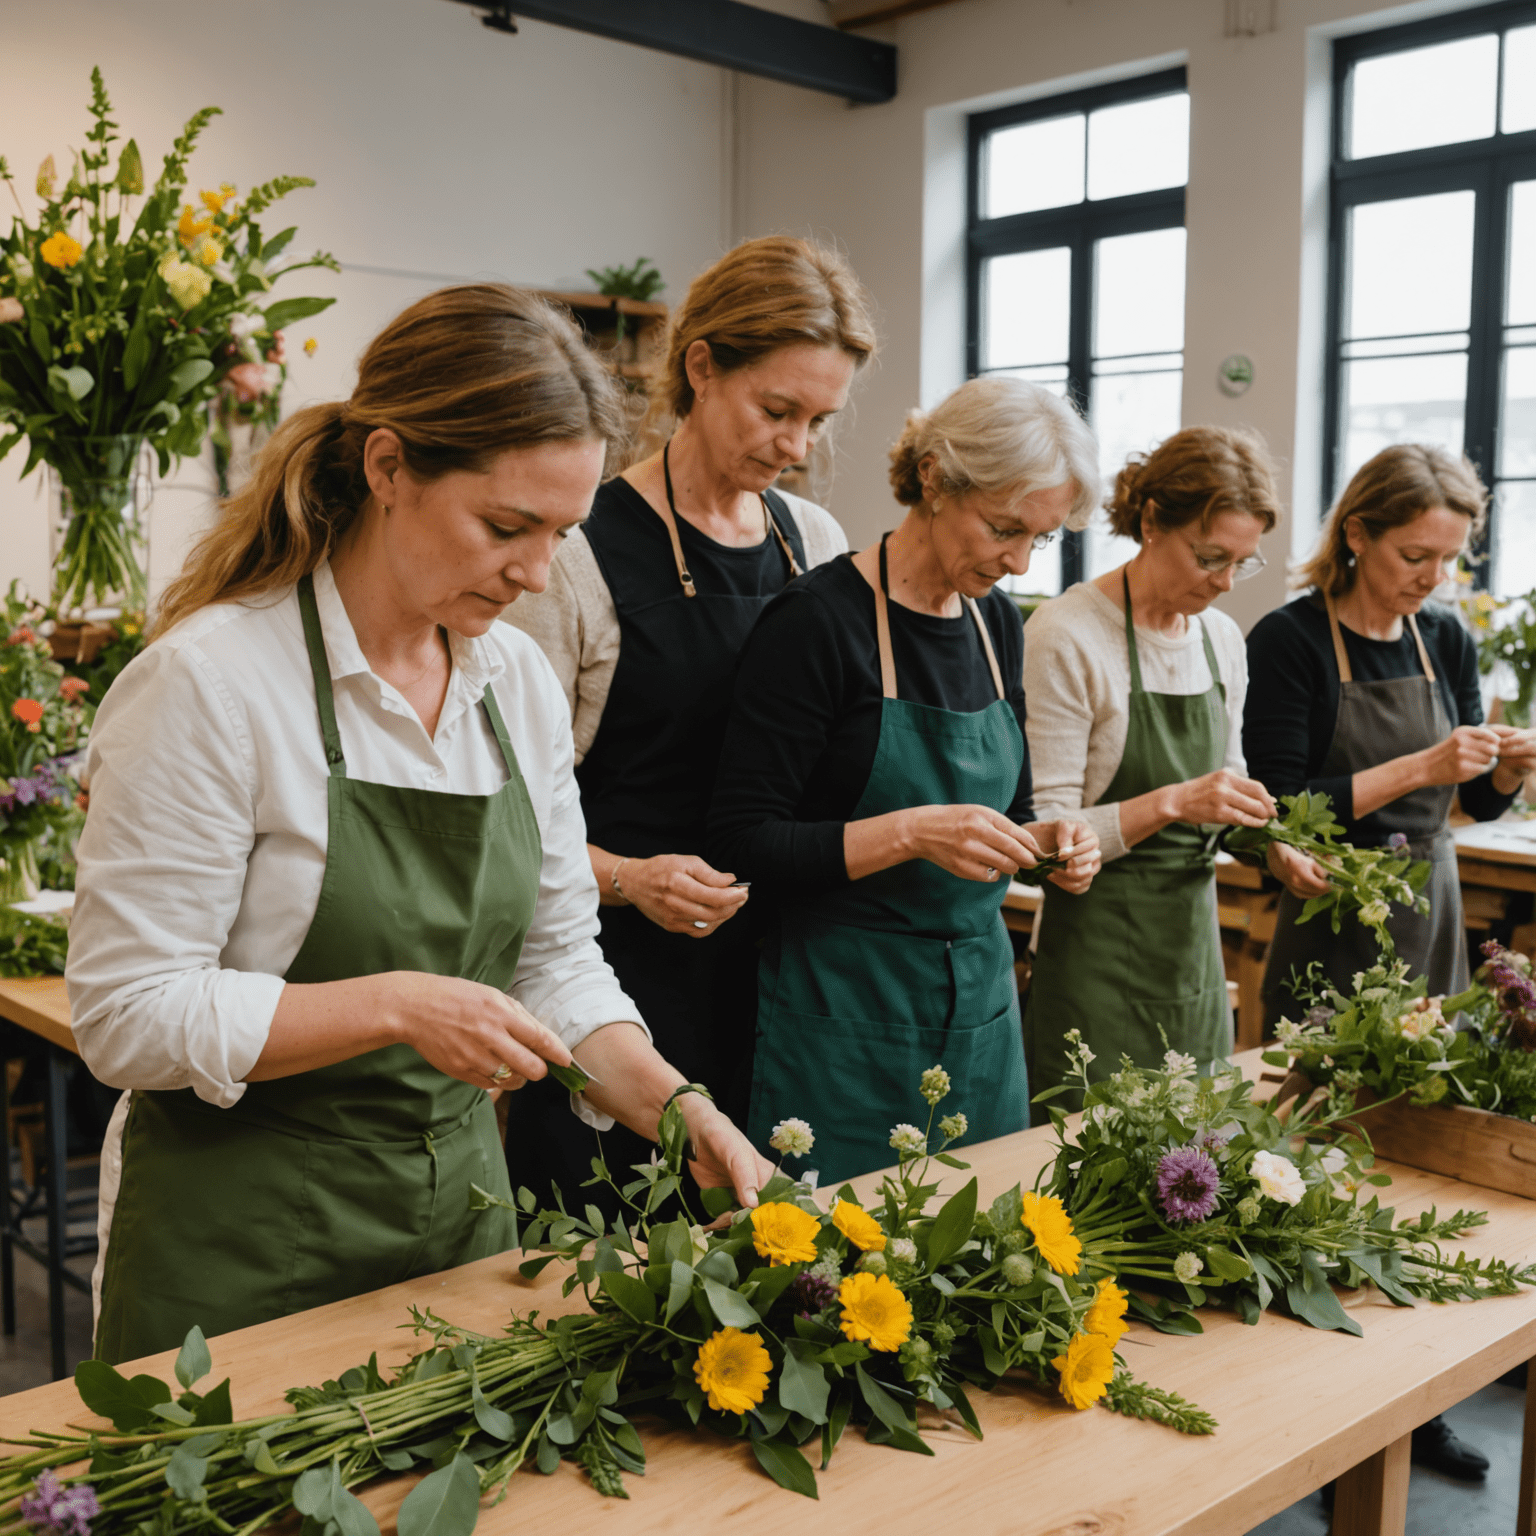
(634, 358)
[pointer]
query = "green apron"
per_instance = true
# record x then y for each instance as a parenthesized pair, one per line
(1138, 954)
(865, 987)
(333, 1182)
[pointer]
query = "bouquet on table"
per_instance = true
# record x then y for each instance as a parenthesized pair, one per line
(1364, 881)
(128, 325)
(1184, 1181)
(780, 1327)
(44, 718)
(1388, 1039)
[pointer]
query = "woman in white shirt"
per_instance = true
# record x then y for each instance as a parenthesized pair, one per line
(1136, 688)
(334, 872)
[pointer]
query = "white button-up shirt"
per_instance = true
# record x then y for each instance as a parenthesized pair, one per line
(204, 850)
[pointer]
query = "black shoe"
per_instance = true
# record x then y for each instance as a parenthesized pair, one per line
(1325, 1493)
(1515, 1377)
(1437, 1446)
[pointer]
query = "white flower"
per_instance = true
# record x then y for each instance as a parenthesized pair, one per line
(698, 1241)
(908, 1140)
(1288, 1033)
(1187, 1266)
(954, 1126)
(1018, 1269)
(1137, 1096)
(1422, 1020)
(792, 1137)
(873, 1263)
(934, 1085)
(1375, 913)
(1333, 1160)
(22, 268)
(1358, 980)
(1177, 1064)
(1278, 1177)
(828, 1267)
(1248, 1209)
(1374, 994)
(187, 284)
(241, 326)
(902, 1249)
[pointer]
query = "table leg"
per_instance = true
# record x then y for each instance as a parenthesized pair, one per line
(58, 1195)
(1525, 1521)
(1372, 1498)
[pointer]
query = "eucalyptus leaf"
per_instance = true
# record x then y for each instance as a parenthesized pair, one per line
(185, 1474)
(730, 1306)
(786, 1465)
(447, 1503)
(633, 1296)
(129, 1404)
(193, 1362)
(190, 374)
(803, 1386)
(952, 1226)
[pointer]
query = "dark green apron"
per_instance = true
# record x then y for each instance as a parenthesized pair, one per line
(864, 988)
(1139, 952)
(333, 1182)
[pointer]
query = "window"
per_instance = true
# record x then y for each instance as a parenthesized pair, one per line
(1432, 295)
(1076, 270)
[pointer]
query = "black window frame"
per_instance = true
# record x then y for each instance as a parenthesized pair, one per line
(1078, 226)
(1487, 167)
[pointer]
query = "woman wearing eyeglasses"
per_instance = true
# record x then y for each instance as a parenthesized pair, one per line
(1136, 688)
(875, 780)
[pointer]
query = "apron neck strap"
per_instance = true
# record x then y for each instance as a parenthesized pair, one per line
(1342, 656)
(1210, 653)
(883, 628)
(1130, 633)
(778, 533)
(986, 645)
(493, 710)
(314, 641)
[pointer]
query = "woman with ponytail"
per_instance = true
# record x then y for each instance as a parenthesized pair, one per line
(334, 892)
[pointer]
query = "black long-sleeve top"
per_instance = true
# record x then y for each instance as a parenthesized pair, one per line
(805, 719)
(1293, 699)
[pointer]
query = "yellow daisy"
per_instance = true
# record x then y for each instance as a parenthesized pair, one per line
(784, 1234)
(874, 1311)
(1086, 1369)
(1051, 1227)
(1106, 1317)
(858, 1226)
(732, 1367)
(59, 250)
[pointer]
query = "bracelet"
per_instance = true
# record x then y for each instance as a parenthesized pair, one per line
(614, 879)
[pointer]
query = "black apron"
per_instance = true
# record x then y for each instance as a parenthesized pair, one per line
(1376, 722)
(645, 787)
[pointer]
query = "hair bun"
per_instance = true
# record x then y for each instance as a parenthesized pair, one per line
(1129, 498)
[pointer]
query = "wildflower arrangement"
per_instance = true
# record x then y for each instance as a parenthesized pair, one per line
(44, 718)
(1185, 1184)
(1388, 1039)
(1364, 881)
(1505, 630)
(31, 945)
(780, 1325)
(135, 308)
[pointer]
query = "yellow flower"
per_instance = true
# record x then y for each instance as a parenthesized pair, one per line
(214, 201)
(206, 249)
(1051, 1227)
(311, 346)
(188, 285)
(1106, 1317)
(732, 1367)
(191, 226)
(858, 1226)
(1086, 1369)
(61, 251)
(874, 1311)
(784, 1234)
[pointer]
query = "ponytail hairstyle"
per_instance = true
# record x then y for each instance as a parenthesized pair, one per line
(1193, 476)
(460, 377)
(1390, 491)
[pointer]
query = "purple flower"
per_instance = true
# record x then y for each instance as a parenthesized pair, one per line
(810, 1294)
(1398, 841)
(67, 1511)
(1187, 1181)
(1211, 1141)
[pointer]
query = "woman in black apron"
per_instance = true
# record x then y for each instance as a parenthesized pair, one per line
(646, 614)
(1365, 690)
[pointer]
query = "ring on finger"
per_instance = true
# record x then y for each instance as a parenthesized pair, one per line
(501, 1074)
(698, 924)
(991, 873)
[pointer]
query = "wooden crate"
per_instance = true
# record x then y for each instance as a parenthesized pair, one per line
(1458, 1142)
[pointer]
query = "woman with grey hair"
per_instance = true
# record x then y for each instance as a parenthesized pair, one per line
(1136, 687)
(875, 787)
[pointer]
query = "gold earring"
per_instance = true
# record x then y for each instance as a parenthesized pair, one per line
(938, 506)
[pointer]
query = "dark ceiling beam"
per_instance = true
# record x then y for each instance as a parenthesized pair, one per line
(732, 35)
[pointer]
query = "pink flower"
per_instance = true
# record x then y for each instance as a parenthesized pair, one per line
(72, 687)
(250, 382)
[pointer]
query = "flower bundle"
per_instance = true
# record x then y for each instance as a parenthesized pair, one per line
(129, 325)
(1365, 881)
(1387, 1038)
(780, 1326)
(1506, 638)
(1185, 1182)
(44, 718)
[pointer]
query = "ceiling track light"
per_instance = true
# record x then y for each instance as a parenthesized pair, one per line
(498, 18)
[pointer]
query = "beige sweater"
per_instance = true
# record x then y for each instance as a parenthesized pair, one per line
(575, 623)
(1077, 681)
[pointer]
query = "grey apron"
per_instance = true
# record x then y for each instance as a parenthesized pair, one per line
(1375, 723)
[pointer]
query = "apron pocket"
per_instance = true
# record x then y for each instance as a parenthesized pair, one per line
(1198, 1024)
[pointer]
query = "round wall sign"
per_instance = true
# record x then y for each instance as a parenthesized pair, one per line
(1235, 374)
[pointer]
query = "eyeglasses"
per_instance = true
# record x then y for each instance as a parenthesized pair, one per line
(1044, 540)
(1214, 565)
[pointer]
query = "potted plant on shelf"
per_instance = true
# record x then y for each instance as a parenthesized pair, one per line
(122, 328)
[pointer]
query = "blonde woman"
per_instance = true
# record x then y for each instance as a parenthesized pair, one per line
(333, 888)
(648, 607)
(875, 777)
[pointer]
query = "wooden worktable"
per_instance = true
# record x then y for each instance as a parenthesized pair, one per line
(39, 1004)
(1297, 1407)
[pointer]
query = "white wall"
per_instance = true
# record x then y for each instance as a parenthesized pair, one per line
(888, 183)
(442, 150)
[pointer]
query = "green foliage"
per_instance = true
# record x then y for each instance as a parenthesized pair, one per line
(640, 281)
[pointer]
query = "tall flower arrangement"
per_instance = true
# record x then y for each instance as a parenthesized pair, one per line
(133, 307)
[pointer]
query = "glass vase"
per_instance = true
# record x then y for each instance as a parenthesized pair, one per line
(98, 534)
(19, 878)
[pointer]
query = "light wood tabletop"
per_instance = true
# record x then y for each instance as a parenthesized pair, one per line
(40, 1004)
(1296, 1407)
(1500, 842)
